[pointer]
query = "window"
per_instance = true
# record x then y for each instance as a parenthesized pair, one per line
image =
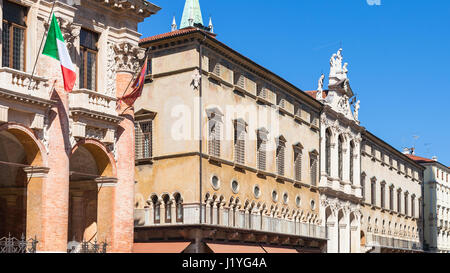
(214, 135)
(298, 162)
(88, 55)
(313, 167)
(399, 201)
(156, 210)
(143, 135)
(214, 67)
(215, 182)
(149, 66)
(13, 36)
(168, 209)
(340, 156)
(257, 191)
(391, 198)
(373, 192)
(285, 198)
(262, 149)
(275, 196)
(235, 186)
(352, 158)
(179, 207)
(328, 151)
(413, 205)
(262, 92)
(383, 192)
(406, 203)
(363, 186)
(239, 141)
(280, 154)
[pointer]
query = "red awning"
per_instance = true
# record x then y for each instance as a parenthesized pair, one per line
(230, 248)
(279, 250)
(166, 247)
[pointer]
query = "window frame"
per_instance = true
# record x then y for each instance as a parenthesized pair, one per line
(83, 60)
(11, 43)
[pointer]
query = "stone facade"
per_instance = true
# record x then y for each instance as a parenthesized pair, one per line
(262, 182)
(67, 160)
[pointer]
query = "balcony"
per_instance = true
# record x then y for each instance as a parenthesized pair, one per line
(393, 243)
(227, 218)
(19, 85)
(93, 102)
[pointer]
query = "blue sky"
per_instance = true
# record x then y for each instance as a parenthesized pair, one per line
(398, 55)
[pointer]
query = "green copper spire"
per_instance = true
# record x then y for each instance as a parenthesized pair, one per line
(192, 14)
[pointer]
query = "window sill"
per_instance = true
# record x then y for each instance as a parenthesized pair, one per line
(144, 161)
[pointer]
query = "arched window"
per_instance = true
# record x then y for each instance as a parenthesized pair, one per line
(373, 191)
(352, 158)
(340, 156)
(328, 151)
(156, 210)
(363, 186)
(313, 167)
(399, 200)
(179, 207)
(168, 208)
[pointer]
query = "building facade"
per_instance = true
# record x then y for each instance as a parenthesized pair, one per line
(436, 204)
(226, 151)
(339, 188)
(67, 160)
(392, 211)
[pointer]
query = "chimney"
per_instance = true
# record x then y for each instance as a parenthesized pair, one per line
(434, 158)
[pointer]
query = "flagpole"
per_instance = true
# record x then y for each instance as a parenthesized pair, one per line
(40, 47)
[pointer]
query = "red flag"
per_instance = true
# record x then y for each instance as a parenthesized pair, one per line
(138, 85)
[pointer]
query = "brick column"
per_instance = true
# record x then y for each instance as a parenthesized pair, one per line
(105, 212)
(55, 190)
(36, 177)
(123, 225)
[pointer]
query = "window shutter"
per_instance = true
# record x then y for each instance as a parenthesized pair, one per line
(214, 138)
(143, 139)
(239, 143)
(313, 169)
(261, 154)
(298, 164)
(280, 156)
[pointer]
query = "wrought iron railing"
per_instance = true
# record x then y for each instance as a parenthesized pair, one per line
(13, 245)
(87, 247)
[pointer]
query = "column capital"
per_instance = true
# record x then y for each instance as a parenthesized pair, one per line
(36, 171)
(106, 181)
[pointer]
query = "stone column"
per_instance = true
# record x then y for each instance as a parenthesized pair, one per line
(127, 61)
(105, 212)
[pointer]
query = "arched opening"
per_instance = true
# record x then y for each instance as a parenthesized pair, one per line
(19, 150)
(363, 239)
(341, 232)
(354, 236)
(332, 231)
(89, 163)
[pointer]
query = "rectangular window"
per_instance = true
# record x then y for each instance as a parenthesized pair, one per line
(239, 142)
(313, 169)
(298, 164)
(382, 196)
(406, 204)
(143, 139)
(261, 150)
(214, 137)
(413, 206)
(399, 202)
(88, 55)
(373, 193)
(280, 156)
(262, 92)
(13, 36)
(391, 198)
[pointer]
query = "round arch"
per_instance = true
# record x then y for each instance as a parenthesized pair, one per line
(105, 162)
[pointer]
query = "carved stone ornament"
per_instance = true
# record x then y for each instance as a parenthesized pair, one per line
(196, 78)
(69, 30)
(111, 70)
(128, 57)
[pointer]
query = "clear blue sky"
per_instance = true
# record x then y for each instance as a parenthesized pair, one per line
(398, 55)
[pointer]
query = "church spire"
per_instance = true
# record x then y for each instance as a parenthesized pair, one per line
(192, 15)
(174, 24)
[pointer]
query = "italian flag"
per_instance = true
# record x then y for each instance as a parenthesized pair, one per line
(55, 47)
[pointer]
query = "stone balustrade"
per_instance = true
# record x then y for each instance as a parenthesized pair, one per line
(390, 242)
(23, 84)
(93, 101)
(232, 219)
